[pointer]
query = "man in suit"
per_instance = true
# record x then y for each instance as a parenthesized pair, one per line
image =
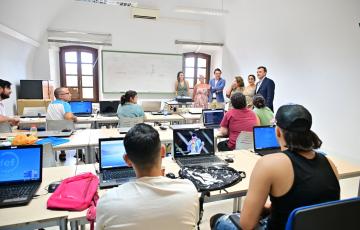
(265, 87)
(217, 85)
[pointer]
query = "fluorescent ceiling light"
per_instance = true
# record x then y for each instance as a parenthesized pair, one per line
(197, 10)
(111, 2)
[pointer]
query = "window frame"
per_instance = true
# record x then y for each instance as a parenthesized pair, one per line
(78, 50)
(196, 56)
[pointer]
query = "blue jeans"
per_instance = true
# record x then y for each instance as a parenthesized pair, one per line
(224, 223)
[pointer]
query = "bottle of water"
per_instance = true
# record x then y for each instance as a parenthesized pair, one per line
(165, 111)
(33, 130)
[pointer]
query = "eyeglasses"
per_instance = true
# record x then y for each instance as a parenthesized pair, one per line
(65, 93)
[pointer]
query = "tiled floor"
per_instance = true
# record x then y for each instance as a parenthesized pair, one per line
(349, 188)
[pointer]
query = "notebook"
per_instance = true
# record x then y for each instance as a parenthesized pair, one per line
(195, 146)
(108, 108)
(265, 141)
(212, 117)
(81, 108)
(20, 174)
(113, 168)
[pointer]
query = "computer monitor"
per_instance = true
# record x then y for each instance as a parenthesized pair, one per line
(19, 164)
(193, 141)
(213, 116)
(81, 107)
(265, 138)
(112, 151)
(109, 106)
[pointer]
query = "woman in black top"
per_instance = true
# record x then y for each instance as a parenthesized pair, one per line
(297, 177)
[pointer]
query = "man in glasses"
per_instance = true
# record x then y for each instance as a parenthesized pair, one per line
(60, 109)
(5, 91)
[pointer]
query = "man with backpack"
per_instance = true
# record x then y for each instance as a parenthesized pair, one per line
(152, 201)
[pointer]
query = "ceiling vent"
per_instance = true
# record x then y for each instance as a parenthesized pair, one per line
(142, 13)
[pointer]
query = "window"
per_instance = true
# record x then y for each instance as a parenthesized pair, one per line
(196, 64)
(79, 72)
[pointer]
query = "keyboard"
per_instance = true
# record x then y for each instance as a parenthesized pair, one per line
(108, 114)
(204, 161)
(114, 174)
(16, 192)
(83, 115)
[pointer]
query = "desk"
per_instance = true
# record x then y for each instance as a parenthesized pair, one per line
(162, 118)
(35, 214)
(192, 118)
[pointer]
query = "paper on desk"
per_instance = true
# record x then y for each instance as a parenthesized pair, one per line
(245, 140)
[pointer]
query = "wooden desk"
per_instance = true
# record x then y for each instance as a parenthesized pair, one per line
(35, 214)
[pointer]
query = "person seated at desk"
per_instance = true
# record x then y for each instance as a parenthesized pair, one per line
(5, 91)
(296, 177)
(60, 109)
(236, 120)
(128, 105)
(263, 112)
(152, 201)
(181, 85)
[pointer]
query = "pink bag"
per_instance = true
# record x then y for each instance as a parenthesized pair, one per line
(75, 193)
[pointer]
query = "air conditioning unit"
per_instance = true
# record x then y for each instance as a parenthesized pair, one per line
(143, 13)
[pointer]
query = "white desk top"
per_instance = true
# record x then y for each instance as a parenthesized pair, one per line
(162, 118)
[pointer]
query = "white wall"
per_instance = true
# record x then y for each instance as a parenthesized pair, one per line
(127, 35)
(312, 51)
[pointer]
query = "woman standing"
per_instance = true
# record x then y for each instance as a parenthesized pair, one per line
(249, 91)
(201, 93)
(237, 86)
(181, 85)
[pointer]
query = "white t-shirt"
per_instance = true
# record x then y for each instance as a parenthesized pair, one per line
(2, 109)
(149, 203)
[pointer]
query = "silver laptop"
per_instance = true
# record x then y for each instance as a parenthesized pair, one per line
(20, 174)
(53, 133)
(195, 147)
(151, 106)
(265, 141)
(113, 168)
(212, 117)
(33, 112)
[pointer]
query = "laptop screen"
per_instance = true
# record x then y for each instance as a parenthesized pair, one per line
(265, 138)
(81, 106)
(193, 142)
(109, 106)
(151, 106)
(112, 151)
(213, 117)
(20, 164)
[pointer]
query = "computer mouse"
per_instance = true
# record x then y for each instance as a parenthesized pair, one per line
(170, 175)
(53, 186)
(229, 160)
(163, 128)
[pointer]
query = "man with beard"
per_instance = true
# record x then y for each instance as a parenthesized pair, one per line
(5, 91)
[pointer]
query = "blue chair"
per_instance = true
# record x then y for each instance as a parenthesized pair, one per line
(339, 214)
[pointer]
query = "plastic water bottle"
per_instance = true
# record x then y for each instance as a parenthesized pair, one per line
(165, 112)
(33, 130)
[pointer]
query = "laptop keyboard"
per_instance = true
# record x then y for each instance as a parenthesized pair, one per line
(205, 161)
(110, 175)
(83, 115)
(17, 192)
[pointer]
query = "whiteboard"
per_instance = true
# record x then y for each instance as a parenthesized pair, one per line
(142, 72)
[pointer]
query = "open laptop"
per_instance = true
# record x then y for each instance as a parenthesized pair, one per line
(151, 106)
(212, 117)
(265, 140)
(195, 147)
(113, 168)
(81, 108)
(54, 133)
(108, 108)
(33, 112)
(20, 174)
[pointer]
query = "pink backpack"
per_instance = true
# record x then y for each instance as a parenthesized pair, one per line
(75, 193)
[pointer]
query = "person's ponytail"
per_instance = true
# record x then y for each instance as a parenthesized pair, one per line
(122, 100)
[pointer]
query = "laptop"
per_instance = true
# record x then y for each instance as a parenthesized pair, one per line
(53, 133)
(33, 112)
(113, 168)
(195, 110)
(81, 108)
(20, 174)
(151, 106)
(265, 141)
(195, 146)
(108, 108)
(212, 117)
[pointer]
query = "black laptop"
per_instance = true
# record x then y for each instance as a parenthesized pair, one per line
(20, 174)
(212, 117)
(81, 108)
(113, 168)
(108, 108)
(265, 141)
(195, 146)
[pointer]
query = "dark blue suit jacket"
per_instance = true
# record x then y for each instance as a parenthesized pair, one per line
(218, 89)
(267, 90)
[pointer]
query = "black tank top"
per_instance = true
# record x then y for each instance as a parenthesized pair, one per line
(314, 182)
